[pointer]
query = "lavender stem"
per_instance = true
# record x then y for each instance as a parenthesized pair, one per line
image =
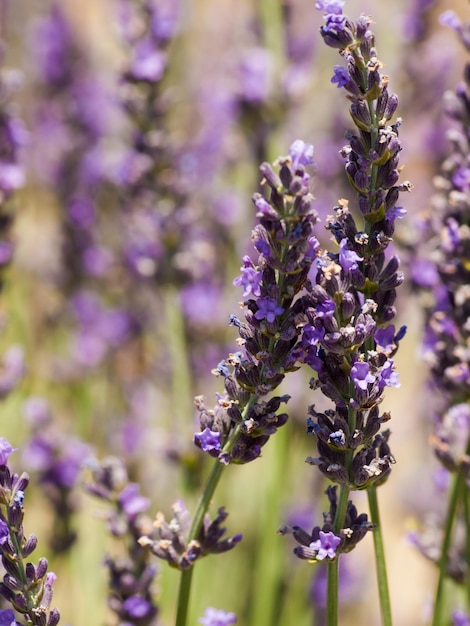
(332, 597)
(458, 486)
(382, 580)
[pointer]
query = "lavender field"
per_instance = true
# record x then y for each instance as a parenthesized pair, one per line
(235, 313)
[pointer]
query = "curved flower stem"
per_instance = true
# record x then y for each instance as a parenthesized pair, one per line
(204, 502)
(186, 575)
(382, 580)
(458, 486)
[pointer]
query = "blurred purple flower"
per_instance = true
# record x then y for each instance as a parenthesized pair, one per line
(149, 62)
(11, 369)
(131, 501)
(460, 618)
(255, 75)
(301, 153)
(137, 607)
(5, 451)
(215, 617)
(7, 618)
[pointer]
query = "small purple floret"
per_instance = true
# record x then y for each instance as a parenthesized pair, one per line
(137, 607)
(348, 258)
(5, 451)
(340, 76)
(450, 19)
(301, 153)
(361, 375)
(249, 279)
(131, 501)
(208, 440)
(268, 309)
(326, 545)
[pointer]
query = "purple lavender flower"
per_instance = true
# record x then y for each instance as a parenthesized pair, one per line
(271, 336)
(209, 441)
(131, 576)
(131, 501)
(170, 540)
(341, 76)
(326, 545)
(216, 617)
(301, 153)
(7, 618)
(460, 618)
(250, 278)
(26, 586)
(361, 376)
(136, 607)
(5, 451)
(268, 309)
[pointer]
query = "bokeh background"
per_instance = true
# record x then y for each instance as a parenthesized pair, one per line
(118, 354)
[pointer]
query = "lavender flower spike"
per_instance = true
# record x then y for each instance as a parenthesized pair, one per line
(27, 587)
(274, 282)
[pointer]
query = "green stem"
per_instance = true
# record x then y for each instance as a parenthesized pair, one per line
(466, 506)
(204, 502)
(333, 566)
(382, 580)
(332, 595)
(459, 482)
(186, 575)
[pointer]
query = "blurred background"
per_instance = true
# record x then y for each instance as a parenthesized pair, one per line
(122, 316)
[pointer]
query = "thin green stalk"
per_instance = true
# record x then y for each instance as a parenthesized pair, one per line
(459, 482)
(466, 506)
(382, 579)
(186, 576)
(333, 566)
(269, 563)
(333, 591)
(212, 482)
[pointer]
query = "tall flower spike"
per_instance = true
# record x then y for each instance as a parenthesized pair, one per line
(131, 575)
(447, 335)
(242, 422)
(27, 587)
(348, 339)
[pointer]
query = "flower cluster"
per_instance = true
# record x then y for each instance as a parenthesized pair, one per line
(27, 587)
(270, 338)
(55, 458)
(12, 137)
(444, 256)
(131, 576)
(323, 543)
(150, 194)
(71, 119)
(169, 540)
(348, 338)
